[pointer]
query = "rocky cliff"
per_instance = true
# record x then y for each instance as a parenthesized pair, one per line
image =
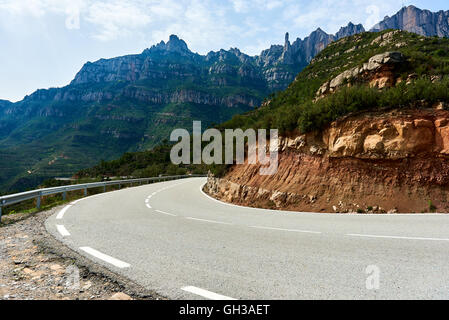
(379, 162)
(422, 22)
(298, 54)
(4, 103)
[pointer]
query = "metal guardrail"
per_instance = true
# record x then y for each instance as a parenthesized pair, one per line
(38, 194)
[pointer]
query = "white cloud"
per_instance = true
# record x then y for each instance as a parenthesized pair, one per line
(243, 6)
(116, 19)
(167, 9)
(240, 5)
(34, 8)
(39, 8)
(330, 15)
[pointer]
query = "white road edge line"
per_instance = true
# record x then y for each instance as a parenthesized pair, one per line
(62, 230)
(63, 211)
(91, 197)
(289, 230)
(106, 258)
(206, 294)
(169, 214)
(231, 204)
(210, 221)
(395, 237)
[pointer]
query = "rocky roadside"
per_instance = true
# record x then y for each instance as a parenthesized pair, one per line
(386, 161)
(35, 266)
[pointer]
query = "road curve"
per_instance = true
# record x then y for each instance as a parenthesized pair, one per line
(172, 238)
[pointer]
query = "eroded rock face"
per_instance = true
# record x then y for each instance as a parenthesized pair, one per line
(394, 135)
(378, 71)
(419, 21)
(375, 162)
(387, 138)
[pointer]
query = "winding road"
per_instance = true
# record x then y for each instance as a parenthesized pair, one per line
(174, 239)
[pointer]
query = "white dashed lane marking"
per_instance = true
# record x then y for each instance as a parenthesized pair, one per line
(288, 230)
(105, 257)
(395, 237)
(62, 212)
(209, 221)
(168, 214)
(62, 230)
(206, 294)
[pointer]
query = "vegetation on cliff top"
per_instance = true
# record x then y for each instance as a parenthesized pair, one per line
(296, 108)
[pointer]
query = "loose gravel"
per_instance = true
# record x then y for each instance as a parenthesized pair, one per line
(35, 266)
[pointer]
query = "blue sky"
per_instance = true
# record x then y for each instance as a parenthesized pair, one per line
(43, 43)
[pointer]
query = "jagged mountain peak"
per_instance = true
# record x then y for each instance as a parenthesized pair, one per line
(319, 31)
(174, 44)
(349, 30)
(413, 19)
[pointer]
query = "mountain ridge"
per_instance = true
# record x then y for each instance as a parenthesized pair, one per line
(413, 19)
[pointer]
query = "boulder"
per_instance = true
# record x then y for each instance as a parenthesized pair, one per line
(374, 64)
(373, 143)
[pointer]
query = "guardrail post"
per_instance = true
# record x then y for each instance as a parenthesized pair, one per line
(119, 186)
(38, 202)
(85, 192)
(104, 188)
(64, 195)
(1, 207)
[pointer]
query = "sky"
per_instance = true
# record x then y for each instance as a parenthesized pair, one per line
(44, 43)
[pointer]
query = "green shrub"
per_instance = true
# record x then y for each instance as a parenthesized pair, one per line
(432, 208)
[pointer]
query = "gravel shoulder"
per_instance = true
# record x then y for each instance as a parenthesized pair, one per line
(35, 266)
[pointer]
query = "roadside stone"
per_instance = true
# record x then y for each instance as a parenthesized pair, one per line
(56, 267)
(87, 286)
(120, 296)
(27, 271)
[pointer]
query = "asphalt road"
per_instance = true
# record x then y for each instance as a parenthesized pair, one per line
(174, 239)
